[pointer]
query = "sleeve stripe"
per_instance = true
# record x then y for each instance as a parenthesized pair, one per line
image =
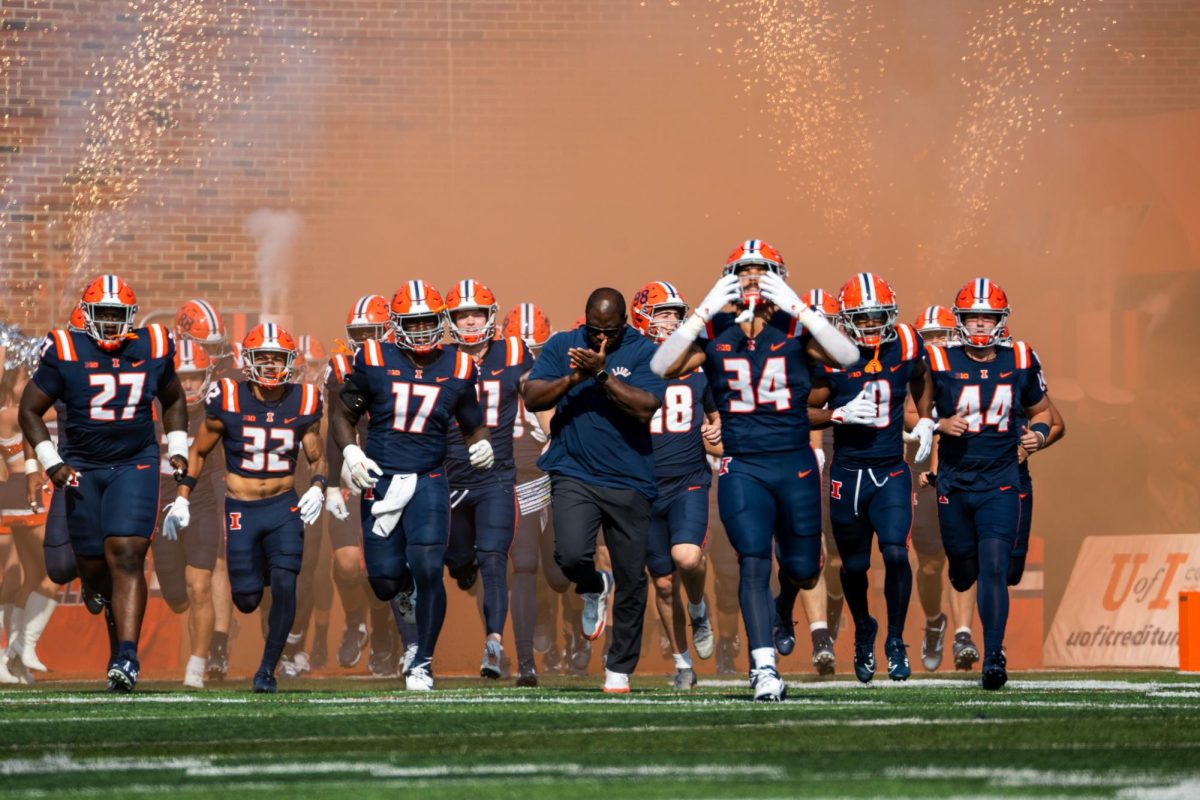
(908, 342)
(373, 355)
(937, 358)
(1022, 355)
(64, 345)
(308, 402)
(513, 355)
(340, 368)
(229, 400)
(158, 341)
(462, 369)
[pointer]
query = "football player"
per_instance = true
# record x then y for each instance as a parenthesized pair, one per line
(870, 486)
(184, 559)
(757, 356)
(981, 388)
(483, 506)
(263, 423)
(680, 429)
(411, 390)
(109, 378)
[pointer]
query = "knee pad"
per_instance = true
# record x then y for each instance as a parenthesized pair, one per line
(385, 588)
(246, 602)
(963, 572)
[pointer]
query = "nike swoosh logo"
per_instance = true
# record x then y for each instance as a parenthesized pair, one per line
(898, 366)
(443, 380)
(896, 474)
(695, 488)
(290, 420)
(137, 363)
(295, 508)
(776, 346)
(803, 474)
(143, 466)
(1004, 375)
(1005, 488)
(496, 372)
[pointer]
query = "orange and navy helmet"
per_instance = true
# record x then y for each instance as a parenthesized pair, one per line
(823, 303)
(310, 358)
(650, 299)
(109, 306)
(471, 295)
(368, 319)
(199, 321)
(981, 296)
(869, 309)
(937, 323)
(417, 302)
(77, 321)
(192, 358)
(264, 341)
(528, 322)
(755, 253)
(235, 353)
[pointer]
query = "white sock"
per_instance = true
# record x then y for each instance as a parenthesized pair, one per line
(697, 610)
(196, 664)
(763, 656)
(683, 660)
(964, 629)
(932, 620)
(295, 638)
(816, 626)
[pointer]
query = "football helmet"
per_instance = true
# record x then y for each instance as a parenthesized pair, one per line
(528, 322)
(470, 294)
(109, 306)
(368, 319)
(823, 303)
(199, 321)
(77, 321)
(191, 358)
(937, 323)
(264, 340)
(869, 310)
(416, 302)
(754, 253)
(981, 296)
(649, 300)
(310, 358)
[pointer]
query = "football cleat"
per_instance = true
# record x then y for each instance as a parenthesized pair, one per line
(218, 662)
(493, 653)
(981, 296)
(823, 657)
(995, 670)
(527, 674)
(864, 650)
(122, 674)
(264, 683)
(869, 310)
(933, 644)
(471, 295)
(783, 632)
(381, 663)
(966, 653)
(616, 682)
(528, 322)
(92, 601)
(410, 654)
(595, 608)
(405, 604)
(109, 306)
(767, 685)
(651, 299)
(685, 679)
(727, 650)
(193, 679)
(823, 303)
(417, 319)
(269, 355)
(703, 639)
(897, 659)
(354, 639)
(419, 677)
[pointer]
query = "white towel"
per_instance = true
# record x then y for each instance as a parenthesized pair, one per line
(388, 509)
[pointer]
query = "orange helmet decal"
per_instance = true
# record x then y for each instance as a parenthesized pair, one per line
(471, 294)
(190, 358)
(78, 320)
(755, 252)
(869, 309)
(655, 296)
(982, 296)
(528, 322)
(368, 319)
(199, 321)
(414, 301)
(823, 303)
(112, 298)
(268, 339)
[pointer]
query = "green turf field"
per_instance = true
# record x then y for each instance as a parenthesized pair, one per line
(1129, 735)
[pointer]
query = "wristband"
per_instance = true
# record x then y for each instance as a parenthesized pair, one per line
(1041, 429)
(47, 455)
(321, 479)
(177, 444)
(32, 466)
(188, 481)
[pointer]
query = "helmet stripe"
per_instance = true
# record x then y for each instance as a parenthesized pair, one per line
(864, 284)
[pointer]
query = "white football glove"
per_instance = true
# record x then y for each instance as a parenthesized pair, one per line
(725, 291)
(819, 452)
(859, 411)
(335, 504)
(923, 433)
(179, 514)
(775, 291)
(311, 504)
(361, 467)
(348, 480)
(481, 455)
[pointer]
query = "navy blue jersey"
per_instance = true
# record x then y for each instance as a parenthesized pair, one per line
(262, 439)
(411, 408)
(499, 375)
(591, 439)
(991, 396)
(340, 367)
(760, 385)
(678, 445)
(108, 394)
(880, 443)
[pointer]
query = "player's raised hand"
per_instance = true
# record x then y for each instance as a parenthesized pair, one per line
(775, 291)
(180, 465)
(725, 291)
(952, 426)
